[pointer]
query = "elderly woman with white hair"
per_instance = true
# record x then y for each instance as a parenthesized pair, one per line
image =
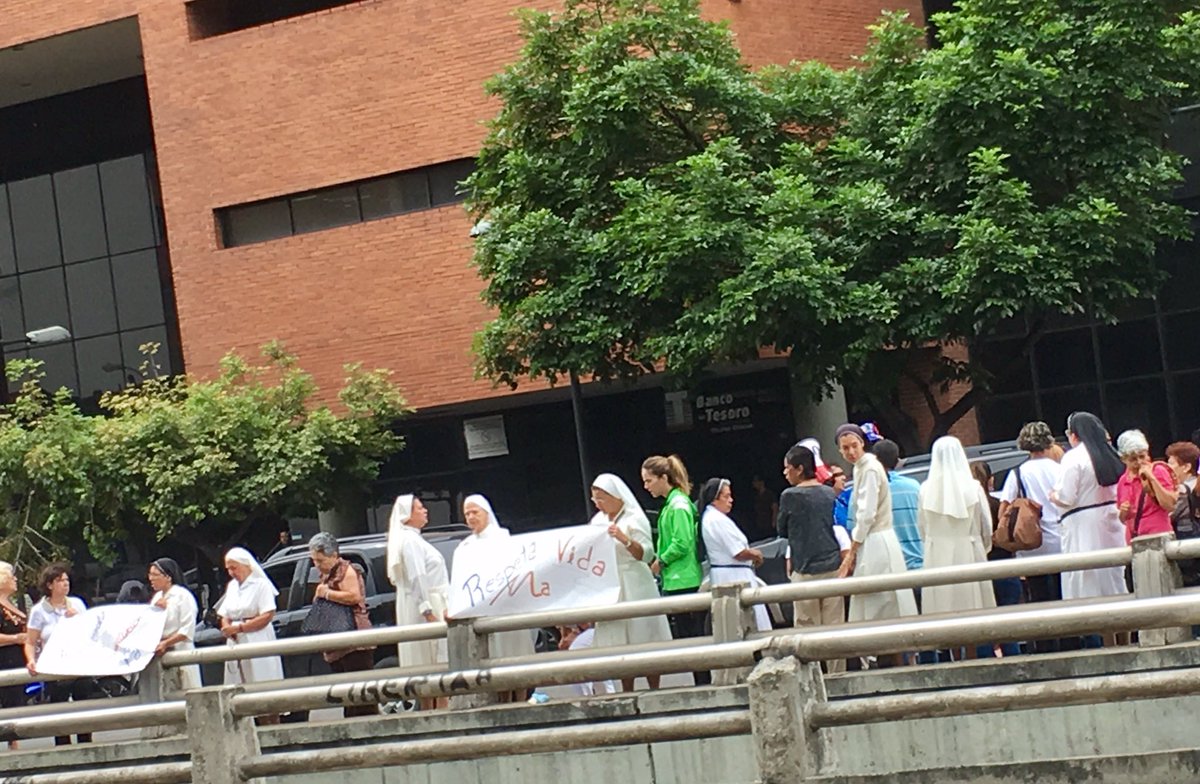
(1146, 491)
(418, 571)
(246, 611)
(486, 531)
(620, 512)
(342, 584)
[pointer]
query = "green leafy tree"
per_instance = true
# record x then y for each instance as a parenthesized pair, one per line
(200, 461)
(1025, 171)
(652, 203)
(630, 180)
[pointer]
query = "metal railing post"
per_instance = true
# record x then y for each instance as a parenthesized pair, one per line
(1155, 575)
(220, 740)
(731, 622)
(467, 650)
(789, 749)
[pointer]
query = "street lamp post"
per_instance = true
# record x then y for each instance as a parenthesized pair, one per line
(478, 230)
(39, 337)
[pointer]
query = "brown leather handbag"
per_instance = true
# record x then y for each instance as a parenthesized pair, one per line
(1019, 522)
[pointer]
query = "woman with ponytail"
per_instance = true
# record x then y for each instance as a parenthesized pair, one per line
(677, 561)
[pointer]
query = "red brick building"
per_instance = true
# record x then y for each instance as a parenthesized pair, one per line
(298, 173)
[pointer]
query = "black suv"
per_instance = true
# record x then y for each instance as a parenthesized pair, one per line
(293, 574)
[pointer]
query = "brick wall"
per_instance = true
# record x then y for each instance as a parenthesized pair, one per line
(345, 94)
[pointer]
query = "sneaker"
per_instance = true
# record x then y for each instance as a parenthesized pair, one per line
(538, 698)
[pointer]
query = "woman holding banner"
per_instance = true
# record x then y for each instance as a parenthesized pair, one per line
(486, 531)
(56, 604)
(171, 594)
(621, 513)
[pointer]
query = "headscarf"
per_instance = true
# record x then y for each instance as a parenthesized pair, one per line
(871, 431)
(850, 429)
(616, 487)
(401, 514)
(241, 555)
(171, 569)
(951, 488)
(486, 505)
(1094, 436)
(711, 489)
(814, 446)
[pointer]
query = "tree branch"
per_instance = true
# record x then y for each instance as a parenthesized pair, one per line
(687, 132)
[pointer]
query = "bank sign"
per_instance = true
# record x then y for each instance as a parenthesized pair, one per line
(726, 412)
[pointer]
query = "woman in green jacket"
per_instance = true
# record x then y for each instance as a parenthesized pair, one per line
(678, 531)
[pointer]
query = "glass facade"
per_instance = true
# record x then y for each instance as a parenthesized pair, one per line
(1143, 372)
(83, 248)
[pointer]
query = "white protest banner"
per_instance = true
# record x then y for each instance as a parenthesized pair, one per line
(547, 570)
(113, 639)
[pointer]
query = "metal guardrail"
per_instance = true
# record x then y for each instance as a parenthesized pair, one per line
(950, 575)
(225, 747)
(806, 645)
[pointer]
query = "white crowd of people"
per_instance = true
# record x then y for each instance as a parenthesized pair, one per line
(1093, 495)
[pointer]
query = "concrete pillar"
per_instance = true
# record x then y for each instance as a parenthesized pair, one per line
(731, 623)
(220, 741)
(1154, 575)
(152, 684)
(348, 517)
(467, 650)
(818, 420)
(788, 749)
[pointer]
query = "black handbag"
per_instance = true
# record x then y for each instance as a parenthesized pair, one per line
(326, 617)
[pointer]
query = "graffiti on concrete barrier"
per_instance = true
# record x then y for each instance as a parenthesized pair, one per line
(391, 689)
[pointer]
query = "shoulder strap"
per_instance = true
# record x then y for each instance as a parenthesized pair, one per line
(1141, 507)
(1020, 484)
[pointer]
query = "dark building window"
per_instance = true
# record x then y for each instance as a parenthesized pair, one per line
(103, 281)
(207, 18)
(82, 243)
(341, 205)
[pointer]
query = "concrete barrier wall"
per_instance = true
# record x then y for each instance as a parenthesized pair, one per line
(1093, 738)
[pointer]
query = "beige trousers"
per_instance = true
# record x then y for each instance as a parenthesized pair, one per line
(820, 612)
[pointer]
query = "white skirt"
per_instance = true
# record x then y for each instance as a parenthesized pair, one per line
(1083, 532)
(422, 653)
(881, 554)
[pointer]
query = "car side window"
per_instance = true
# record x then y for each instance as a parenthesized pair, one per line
(379, 574)
(281, 576)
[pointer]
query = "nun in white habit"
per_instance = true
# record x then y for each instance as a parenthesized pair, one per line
(955, 522)
(485, 527)
(731, 560)
(418, 571)
(246, 611)
(627, 524)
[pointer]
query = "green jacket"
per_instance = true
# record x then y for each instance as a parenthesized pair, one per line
(677, 543)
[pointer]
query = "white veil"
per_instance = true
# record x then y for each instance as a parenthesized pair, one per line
(616, 487)
(951, 489)
(401, 512)
(486, 505)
